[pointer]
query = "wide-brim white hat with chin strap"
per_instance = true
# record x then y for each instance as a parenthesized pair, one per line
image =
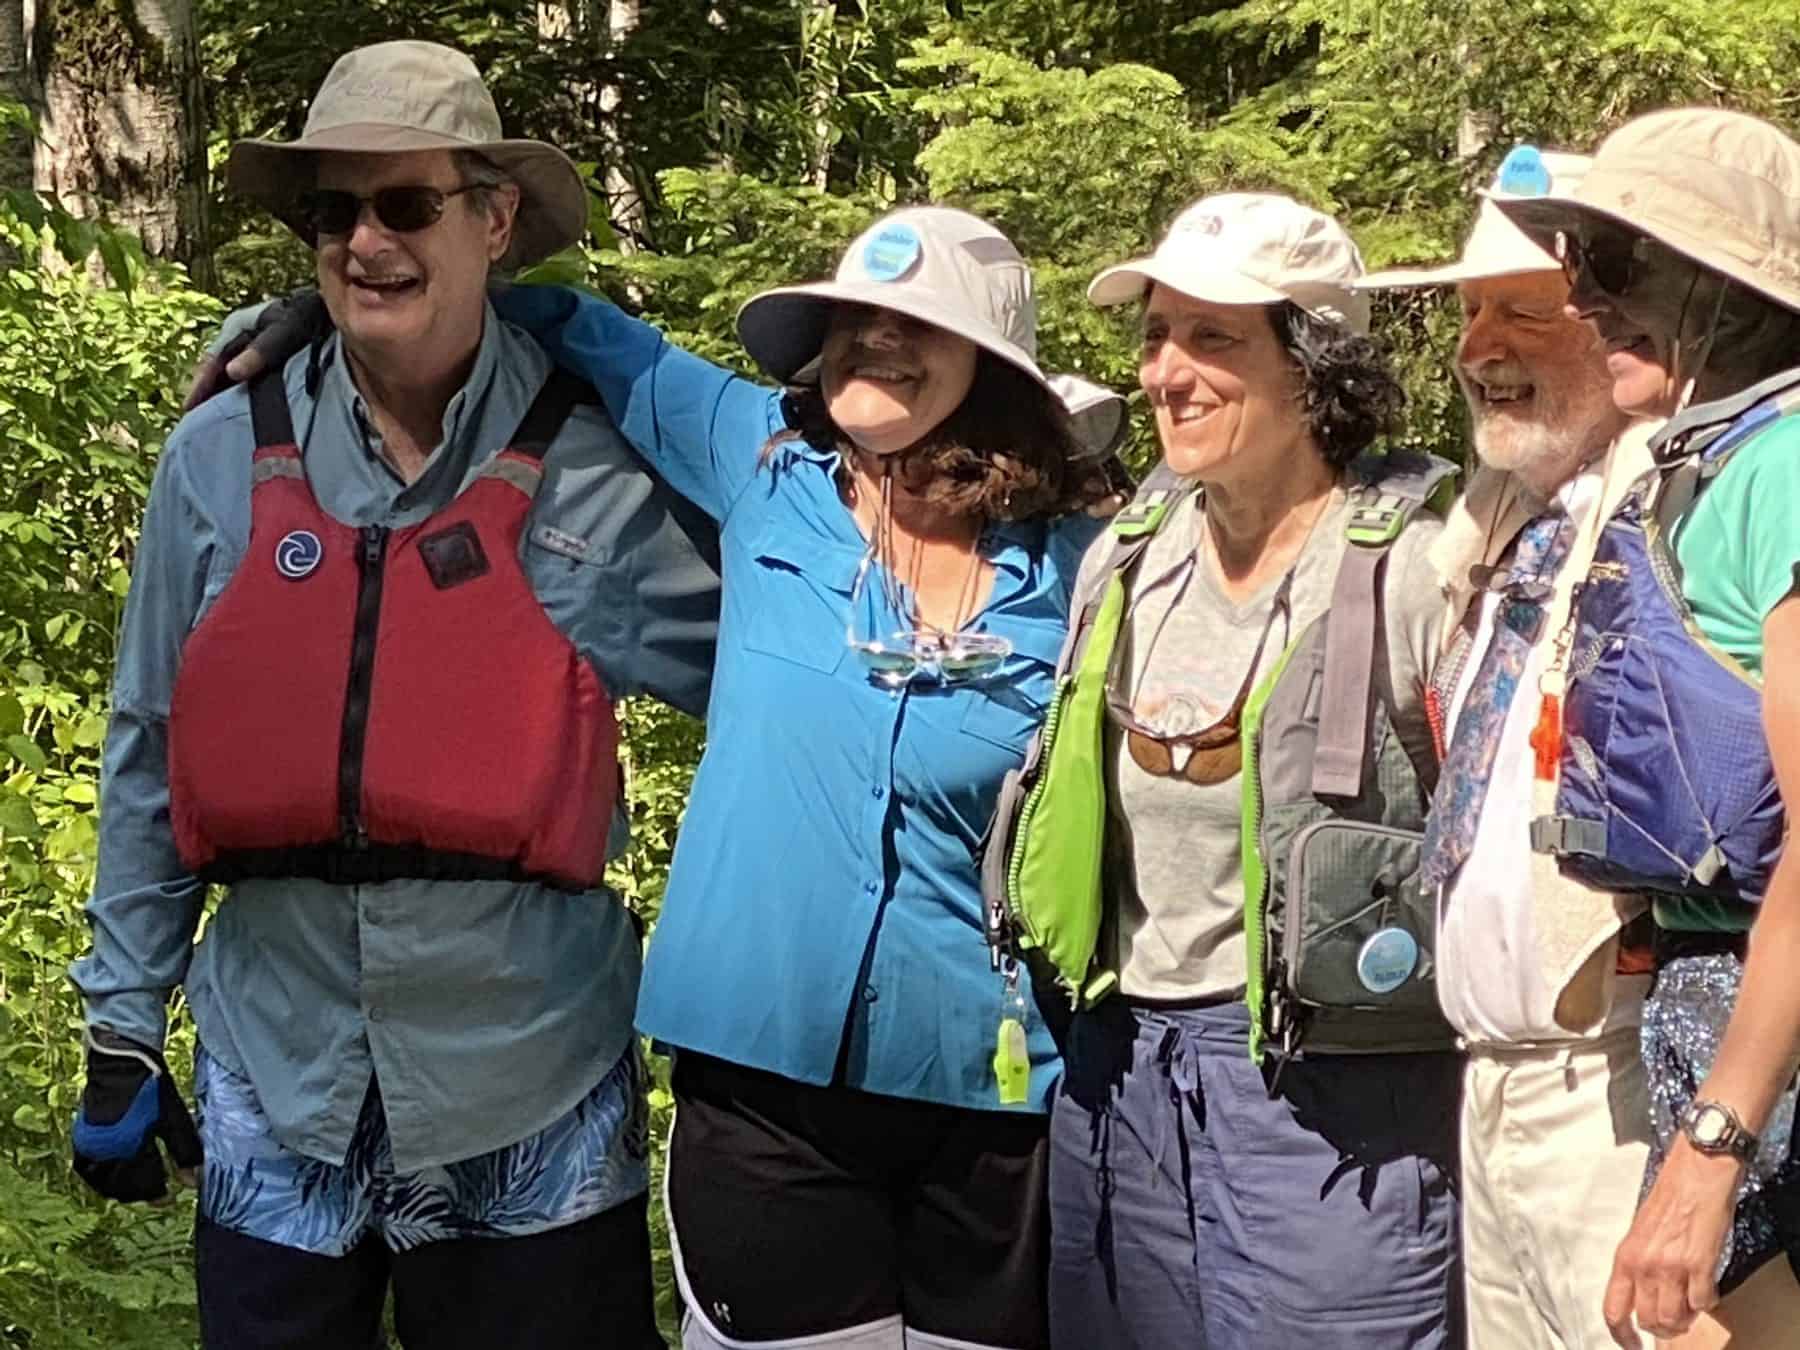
(395, 97)
(1496, 247)
(936, 264)
(1720, 188)
(1249, 248)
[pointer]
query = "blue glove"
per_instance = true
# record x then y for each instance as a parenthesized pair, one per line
(128, 1104)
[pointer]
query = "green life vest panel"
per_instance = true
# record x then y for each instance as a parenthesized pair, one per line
(1340, 938)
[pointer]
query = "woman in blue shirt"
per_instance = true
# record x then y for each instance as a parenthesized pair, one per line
(859, 1146)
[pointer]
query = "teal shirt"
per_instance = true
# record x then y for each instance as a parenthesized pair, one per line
(484, 1009)
(823, 917)
(1739, 549)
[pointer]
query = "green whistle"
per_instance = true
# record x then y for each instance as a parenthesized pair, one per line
(1012, 1062)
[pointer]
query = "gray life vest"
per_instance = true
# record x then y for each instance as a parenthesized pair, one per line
(1340, 934)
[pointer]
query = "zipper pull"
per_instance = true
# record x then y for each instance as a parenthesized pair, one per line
(374, 543)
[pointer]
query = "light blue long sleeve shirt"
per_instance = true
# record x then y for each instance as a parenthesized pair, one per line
(484, 1009)
(823, 916)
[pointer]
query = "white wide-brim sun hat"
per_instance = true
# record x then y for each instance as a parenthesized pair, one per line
(1249, 248)
(395, 97)
(1720, 188)
(1496, 247)
(936, 264)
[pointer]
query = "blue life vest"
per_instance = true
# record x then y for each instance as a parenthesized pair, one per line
(1665, 782)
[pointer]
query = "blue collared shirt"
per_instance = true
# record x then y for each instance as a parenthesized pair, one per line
(824, 904)
(486, 1009)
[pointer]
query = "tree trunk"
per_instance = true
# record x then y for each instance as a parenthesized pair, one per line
(624, 203)
(817, 39)
(124, 126)
(18, 85)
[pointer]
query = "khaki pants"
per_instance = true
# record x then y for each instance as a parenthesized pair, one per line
(1553, 1149)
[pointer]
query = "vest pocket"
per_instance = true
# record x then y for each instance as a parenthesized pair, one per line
(1359, 928)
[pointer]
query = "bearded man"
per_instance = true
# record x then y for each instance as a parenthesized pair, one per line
(1543, 977)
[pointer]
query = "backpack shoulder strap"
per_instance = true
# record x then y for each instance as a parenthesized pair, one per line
(1126, 538)
(1387, 491)
(1709, 430)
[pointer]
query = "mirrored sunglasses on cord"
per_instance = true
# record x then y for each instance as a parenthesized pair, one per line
(920, 652)
(1610, 255)
(1215, 753)
(404, 209)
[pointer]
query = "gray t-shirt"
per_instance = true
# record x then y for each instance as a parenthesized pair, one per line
(1175, 865)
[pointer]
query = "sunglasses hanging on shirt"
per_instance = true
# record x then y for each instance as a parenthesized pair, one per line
(922, 651)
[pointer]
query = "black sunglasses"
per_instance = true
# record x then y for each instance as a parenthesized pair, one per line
(404, 210)
(1613, 259)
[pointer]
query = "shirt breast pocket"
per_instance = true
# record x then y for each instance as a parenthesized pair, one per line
(571, 574)
(798, 600)
(1009, 708)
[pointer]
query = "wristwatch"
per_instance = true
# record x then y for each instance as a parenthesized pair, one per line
(1716, 1131)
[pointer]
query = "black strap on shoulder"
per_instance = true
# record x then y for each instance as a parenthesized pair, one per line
(547, 413)
(269, 416)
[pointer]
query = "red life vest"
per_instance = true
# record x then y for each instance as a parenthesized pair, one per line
(361, 705)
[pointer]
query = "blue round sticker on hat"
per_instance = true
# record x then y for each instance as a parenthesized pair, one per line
(1523, 173)
(892, 253)
(1387, 960)
(298, 554)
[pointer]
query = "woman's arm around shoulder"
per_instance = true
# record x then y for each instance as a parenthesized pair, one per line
(701, 427)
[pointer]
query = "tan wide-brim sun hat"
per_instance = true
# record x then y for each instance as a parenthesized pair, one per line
(1496, 247)
(1249, 248)
(936, 264)
(395, 97)
(1720, 188)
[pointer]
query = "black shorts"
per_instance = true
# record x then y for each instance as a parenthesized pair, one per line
(586, 1286)
(800, 1210)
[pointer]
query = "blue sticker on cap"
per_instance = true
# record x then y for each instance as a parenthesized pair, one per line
(1523, 173)
(1387, 960)
(892, 252)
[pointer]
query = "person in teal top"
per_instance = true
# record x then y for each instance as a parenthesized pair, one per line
(859, 1147)
(1682, 247)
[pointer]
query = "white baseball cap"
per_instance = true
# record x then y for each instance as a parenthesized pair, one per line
(933, 263)
(1496, 247)
(1249, 248)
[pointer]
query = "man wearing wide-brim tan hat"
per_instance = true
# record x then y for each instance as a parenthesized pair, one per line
(1542, 975)
(384, 600)
(1683, 250)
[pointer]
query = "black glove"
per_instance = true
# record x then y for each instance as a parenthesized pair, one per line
(129, 1103)
(284, 326)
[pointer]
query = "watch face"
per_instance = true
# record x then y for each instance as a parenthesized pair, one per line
(1710, 1126)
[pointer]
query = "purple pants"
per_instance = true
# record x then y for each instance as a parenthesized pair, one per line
(1190, 1211)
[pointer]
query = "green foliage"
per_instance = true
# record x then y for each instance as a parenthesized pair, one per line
(86, 374)
(760, 136)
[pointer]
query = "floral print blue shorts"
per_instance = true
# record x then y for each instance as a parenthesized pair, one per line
(588, 1161)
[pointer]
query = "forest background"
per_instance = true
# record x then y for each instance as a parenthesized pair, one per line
(730, 145)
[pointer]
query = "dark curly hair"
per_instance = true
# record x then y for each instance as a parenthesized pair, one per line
(1348, 392)
(1008, 451)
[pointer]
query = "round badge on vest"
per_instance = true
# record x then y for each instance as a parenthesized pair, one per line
(1387, 960)
(893, 252)
(299, 554)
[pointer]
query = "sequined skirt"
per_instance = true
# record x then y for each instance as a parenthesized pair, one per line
(1684, 1021)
